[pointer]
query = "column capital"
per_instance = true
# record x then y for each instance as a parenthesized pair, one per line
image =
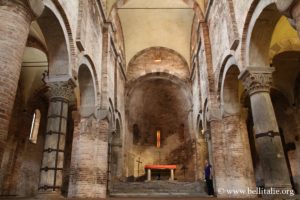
(257, 79)
(60, 87)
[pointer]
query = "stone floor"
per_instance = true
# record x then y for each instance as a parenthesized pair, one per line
(297, 197)
(194, 198)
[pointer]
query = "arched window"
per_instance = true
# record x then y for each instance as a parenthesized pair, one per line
(35, 126)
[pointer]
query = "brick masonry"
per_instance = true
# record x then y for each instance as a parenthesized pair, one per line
(221, 32)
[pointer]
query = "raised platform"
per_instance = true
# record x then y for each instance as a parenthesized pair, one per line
(158, 189)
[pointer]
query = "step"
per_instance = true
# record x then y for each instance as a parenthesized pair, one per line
(156, 194)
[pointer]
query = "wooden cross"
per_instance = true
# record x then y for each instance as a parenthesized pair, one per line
(139, 162)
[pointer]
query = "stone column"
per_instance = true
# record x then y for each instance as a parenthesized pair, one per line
(148, 174)
(257, 81)
(172, 175)
(53, 156)
(15, 20)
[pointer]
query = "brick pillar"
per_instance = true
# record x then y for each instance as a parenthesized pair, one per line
(217, 159)
(102, 149)
(53, 155)
(15, 20)
(257, 81)
(237, 154)
(88, 177)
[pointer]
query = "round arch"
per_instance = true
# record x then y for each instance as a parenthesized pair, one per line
(58, 38)
(87, 91)
(254, 13)
(157, 59)
(87, 61)
(229, 86)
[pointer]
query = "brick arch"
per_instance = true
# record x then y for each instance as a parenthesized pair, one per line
(131, 85)
(171, 62)
(256, 9)
(59, 39)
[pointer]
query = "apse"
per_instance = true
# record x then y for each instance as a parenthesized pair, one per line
(158, 127)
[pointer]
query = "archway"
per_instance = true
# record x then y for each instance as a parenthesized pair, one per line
(234, 140)
(166, 111)
(284, 99)
(263, 42)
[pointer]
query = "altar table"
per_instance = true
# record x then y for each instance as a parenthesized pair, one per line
(150, 167)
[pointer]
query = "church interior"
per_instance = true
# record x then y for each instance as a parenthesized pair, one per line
(132, 98)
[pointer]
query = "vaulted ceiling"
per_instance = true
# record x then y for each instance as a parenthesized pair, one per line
(150, 23)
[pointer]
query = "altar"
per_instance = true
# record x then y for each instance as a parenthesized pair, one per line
(149, 169)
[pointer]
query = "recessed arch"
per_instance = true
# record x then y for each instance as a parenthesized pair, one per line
(88, 62)
(230, 92)
(87, 91)
(229, 86)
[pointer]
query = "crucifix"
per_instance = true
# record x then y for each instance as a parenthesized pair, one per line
(139, 162)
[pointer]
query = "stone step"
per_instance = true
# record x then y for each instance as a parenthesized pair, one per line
(158, 188)
(156, 194)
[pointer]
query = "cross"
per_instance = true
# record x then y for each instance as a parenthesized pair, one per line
(139, 162)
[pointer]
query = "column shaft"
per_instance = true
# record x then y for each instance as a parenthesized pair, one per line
(53, 159)
(148, 174)
(258, 81)
(172, 175)
(15, 19)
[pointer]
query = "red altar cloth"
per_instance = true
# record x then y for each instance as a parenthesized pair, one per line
(160, 166)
